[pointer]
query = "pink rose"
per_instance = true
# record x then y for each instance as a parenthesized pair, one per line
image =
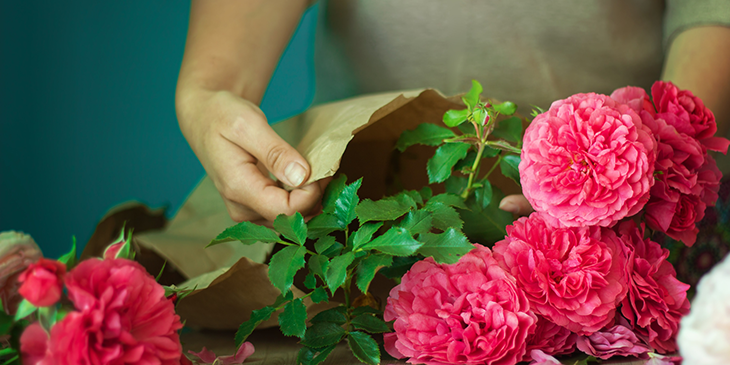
(470, 312)
(540, 358)
(550, 338)
(587, 161)
(34, 346)
(636, 98)
(573, 276)
(618, 340)
(42, 282)
(683, 110)
(122, 317)
(657, 300)
(17, 251)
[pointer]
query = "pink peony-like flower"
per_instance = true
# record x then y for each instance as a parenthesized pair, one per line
(619, 340)
(573, 276)
(471, 312)
(657, 300)
(42, 282)
(122, 317)
(34, 346)
(636, 98)
(587, 161)
(550, 338)
(17, 251)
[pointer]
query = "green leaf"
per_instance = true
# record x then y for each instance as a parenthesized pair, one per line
(337, 271)
(410, 197)
(69, 259)
(321, 225)
(323, 334)
(310, 356)
(333, 250)
(334, 315)
(47, 316)
(284, 265)
(346, 203)
(318, 265)
(452, 117)
(310, 281)
(426, 134)
(446, 247)
(292, 227)
(509, 129)
(504, 146)
(332, 193)
(364, 234)
(446, 156)
(486, 225)
(400, 266)
(416, 222)
(510, 167)
(397, 241)
(506, 108)
(6, 322)
(257, 316)
(444, 217)
(24, 310)
(293, 320)
(483, 194)
(364, 347)
(367, 268)
(365, 309)
(246, 232)
(370, 323)
(455, 184)
(324, 243)
(471, 98)
(451, 200)
(281, 299)
(426, 193)
(320, 295)
(384, 209)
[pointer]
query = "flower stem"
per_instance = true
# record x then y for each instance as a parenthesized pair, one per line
(474, 171)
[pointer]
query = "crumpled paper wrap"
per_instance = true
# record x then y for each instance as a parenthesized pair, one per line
(354, 136)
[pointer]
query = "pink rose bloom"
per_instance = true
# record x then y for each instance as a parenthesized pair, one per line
(636, 98)
(122, 317)
(657, 300)
(550, 338)
(587, 161)
(42, 282)
(34, 346)
(618, 340)
(470, 312)
(688, 114)
(573, 276)
(17, 251)
(540, 358)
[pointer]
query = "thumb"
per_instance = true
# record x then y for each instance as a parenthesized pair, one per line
(275, 154)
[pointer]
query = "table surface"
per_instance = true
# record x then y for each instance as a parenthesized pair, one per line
(273, 348)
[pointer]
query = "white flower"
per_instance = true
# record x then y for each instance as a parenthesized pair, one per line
(704, 334)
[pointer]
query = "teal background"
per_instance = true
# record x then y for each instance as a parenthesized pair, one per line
(87, 112)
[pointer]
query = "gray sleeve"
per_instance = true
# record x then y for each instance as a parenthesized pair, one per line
(681, 15)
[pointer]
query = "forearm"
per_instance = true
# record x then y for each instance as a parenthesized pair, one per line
(699, 60)
(234, 45)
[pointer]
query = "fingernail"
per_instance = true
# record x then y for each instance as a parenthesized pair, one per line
(295, 174)
(509, 207)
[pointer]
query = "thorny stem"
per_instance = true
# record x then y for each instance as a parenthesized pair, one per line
(474, 171)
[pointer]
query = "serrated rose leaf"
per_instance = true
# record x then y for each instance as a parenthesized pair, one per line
(332, 192)
(318, 265)
(246, 232)
(367, 268)
(370, 323)
(471, 98)
(445, 247)
(337, 271)
(382, 210)
(246, 328)
(322, 225)
(364, 234)
(334, 315)
(323, 334)
(440, 165)
(453, 118)
(444, 217)
(506, 108)
(292, 227)
(483, 194)
(509, 129)
(324, 243)
(310, 282)
(346, 203)
(284, 265)
(320, 295)
(364, 347)
(510, 167)
(451, 200)
(397, 241)
(416, 222)
(293, 320)
(426, 134)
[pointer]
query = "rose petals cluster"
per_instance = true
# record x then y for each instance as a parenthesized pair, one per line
(704, 333)
(17, 252)
(550, 338)
(587, 161)
(618, 340)
(471, 312)
(656, 300)
(573, 276)
(42, 282)
(121, 317)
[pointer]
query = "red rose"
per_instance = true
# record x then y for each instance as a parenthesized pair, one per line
(122, 317)
(657, 300)
(573, 276)
(42, 282)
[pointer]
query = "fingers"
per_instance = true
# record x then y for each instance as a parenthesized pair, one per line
(251, 132)
(516, 204)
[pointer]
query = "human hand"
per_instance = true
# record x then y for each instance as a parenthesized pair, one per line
(238, 149)
(517, 204)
